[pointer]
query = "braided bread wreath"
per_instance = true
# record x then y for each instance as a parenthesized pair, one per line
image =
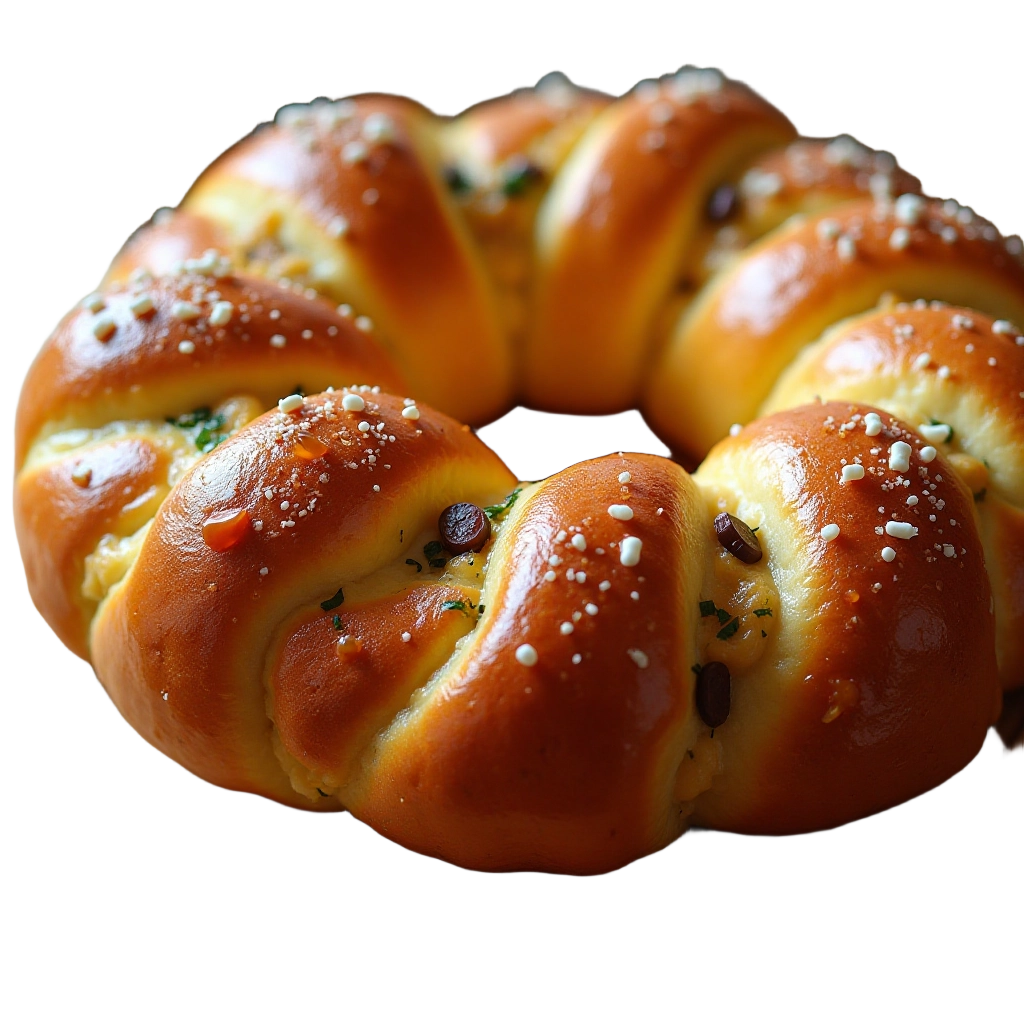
(265, 568)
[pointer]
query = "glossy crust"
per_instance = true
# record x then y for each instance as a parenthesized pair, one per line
(211, 615)
(931, 363)
(403, 257)
(882, 680)
(755, 317)
(612, 231)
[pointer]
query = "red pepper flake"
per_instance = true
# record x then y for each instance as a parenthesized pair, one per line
(226, 529)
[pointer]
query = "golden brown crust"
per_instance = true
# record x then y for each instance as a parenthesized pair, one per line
(932, 363)
(614, 226)
(558, 765)
(754, 318)
(882, 679)
(211, 614)
(367, 204)
(159, 363)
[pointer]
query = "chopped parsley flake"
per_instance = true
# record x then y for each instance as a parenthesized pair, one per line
(332, 602)
(432, 548)
(338, 624)
(707, 608)
(494, 511)
(453, 606)
(412, 561)
(206, 425)
(759, 612)
(727, 631)
(437, 563)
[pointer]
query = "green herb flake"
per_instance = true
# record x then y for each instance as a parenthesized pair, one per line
(432, 548)
(517, 174)
(332, 602)
(727, 631)
(759, 612)
(457, 181)
(338, 624)
(723, 615)
(980, 496)
(321, 792)
(437, 563)
(707, 608)
(480, 609)
(494, 511)
(763, 633)
(412, 561)
(696, 669)
(939, 423)
(453, 606)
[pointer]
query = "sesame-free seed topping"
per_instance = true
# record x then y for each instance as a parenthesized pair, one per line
(829, 532)
(591, 608)
(406, 637)
(1004, 327)
(410, 412)
(526, 654)
(899, 456)
(854, 471)
(621, 512)
(629, 551)
(566, 628)
(291, 403)
(221, 313)
(888, 554)
(579, 542)
(624, 478)
(186, 347)
(927, 453)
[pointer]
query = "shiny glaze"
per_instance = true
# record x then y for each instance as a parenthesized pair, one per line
(752, 320)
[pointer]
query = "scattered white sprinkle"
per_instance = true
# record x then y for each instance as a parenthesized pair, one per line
(899, 239)
(550, 576)
(141, 305)
(872, 424)
(185, 311)
(364, 426)
(378, 128)
(853, 472)
(186, 347)
(104, 327)
(908, 208)
(376, 488)
(338, 227)
(640, 659)
(370, 196)
(526, 654)
(921, 361)
(621, 512)
(290, 404)
(943, 371)
(949, 551)
(899, 456)
(221, 313)
(579, 542)
(591, 608)
(904, 531)
(888, 554)
(264, 571)
(962, 323)
(364, 323)
(577, 658)
(912, 500)
(354, 152)
(846, 249)
(406, 637)
(278, 340)
(566, 628)
(828, 230)
(635, 595)
(410, 412)
(604, 585)
(829, 532)
(94, 303)
(735, 429)
(629, 551)
(1004, 327)
(353, 403)
(624, 478)
(934, 432)
(927, 453)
